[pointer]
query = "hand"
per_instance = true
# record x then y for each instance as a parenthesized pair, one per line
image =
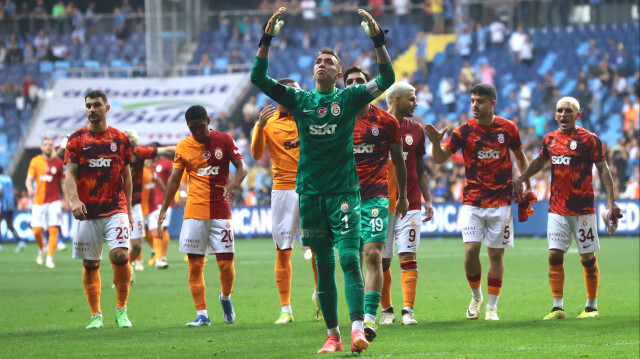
(428, 212)
(66, 206)
(266, 114)
(79, 210)
(402, 206)
(273, 26)
(227, 192)
(161, 217)
(369, 24)
(433, 134)
(615, 212)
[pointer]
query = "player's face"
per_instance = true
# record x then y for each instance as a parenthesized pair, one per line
(355, 78)
(47, 147)
(199, 128)
(566, 116)
(96, 109)
(482, 106)
(326, 68)
(406, 103)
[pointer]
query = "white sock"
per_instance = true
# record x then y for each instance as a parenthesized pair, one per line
(592, 303)
(558, 303)
(287, 308)
(492, 301)
(333, 331)
(49, 258)
(370, 318)
(225, 297)
(357, 324)
(408, 309)
(202, 312)
(476, 292)
(385, 309)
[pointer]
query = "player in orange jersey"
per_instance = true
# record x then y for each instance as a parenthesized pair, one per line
(572, 152)
(404, 231)
(98, 181)
(162, 167)
(277, 131)
(47, 171)
(206, 226)
(140, 154)
(149, 204)
(487, 142)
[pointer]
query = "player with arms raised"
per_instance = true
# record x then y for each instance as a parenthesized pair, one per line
(327, 180)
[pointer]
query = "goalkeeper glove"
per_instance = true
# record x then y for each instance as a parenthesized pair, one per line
(272, 27)
(371, 28)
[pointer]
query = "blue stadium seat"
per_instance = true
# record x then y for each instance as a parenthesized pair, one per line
(46, 67)
(220, 64)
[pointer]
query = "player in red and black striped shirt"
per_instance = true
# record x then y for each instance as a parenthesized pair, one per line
(486, 141)
(572, 152)
(98, 181)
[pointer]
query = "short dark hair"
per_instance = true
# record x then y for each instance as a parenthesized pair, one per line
(195, 112)
(286, 80)
(96, 94)
(155, 144)
(355, 69)
(332, 52)
(485, 90)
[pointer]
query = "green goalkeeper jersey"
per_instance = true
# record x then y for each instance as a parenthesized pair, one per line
(325, 123)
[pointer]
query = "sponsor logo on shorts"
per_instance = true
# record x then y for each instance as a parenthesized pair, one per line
(586, 246)
(228, 224)
(413, 223)
(504, 243)
(228, 245)
(375, 212)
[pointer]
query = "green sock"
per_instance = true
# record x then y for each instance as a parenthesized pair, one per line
(371, 303)
(327, 288)
(348, 250)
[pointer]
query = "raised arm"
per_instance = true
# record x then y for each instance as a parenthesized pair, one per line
(259, 75)
(386, 78)
(438, 152)
(402, 205)
(257, 139)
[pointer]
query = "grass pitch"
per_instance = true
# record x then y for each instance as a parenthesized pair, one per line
(44, 311)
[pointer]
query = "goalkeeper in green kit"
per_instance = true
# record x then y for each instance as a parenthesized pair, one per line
(327, 181)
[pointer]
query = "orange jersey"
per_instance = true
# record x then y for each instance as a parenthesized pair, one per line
(207, 166)
(100, 157)
(47, 175)
(280, 134)
(148, 197)
(140, 153)
(487, 160)
(572, 158)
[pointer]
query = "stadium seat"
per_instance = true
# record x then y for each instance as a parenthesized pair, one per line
(46, 67)
(221, 64)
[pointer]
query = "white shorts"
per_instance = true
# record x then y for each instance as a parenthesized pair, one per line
(285, 217)
(495, 225)
(152, 224)
(47, 214)
(137, 231)
(561, 230)
(405, 232)
(206, 236)
(87, 242)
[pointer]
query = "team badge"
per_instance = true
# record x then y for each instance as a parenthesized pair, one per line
(121, 221)
(408, 139)
(500, 138)
(206, 155)
(113, 146)
(228, 224)
(375, 131)
(344, 206)
(322, 111)
(584, 223)
(335, 108)
(573, 145)
(413, 223)
(218, 153)
(375, 212)
(53, 170)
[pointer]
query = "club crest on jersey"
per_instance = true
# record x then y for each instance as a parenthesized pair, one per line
(53, 170)
(322, 111)
(206, 155)
(375, 131)
(335, 108)
(375, 212)
(408, 139)
(344, 206)
(218, 153)
(500, 138)
(573, 145)
(113, 147)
